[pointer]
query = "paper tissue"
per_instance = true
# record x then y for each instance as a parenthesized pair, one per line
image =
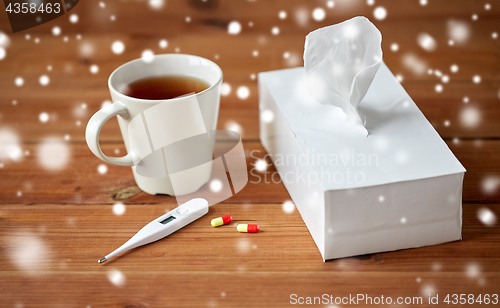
(340, 63)
(398, 187)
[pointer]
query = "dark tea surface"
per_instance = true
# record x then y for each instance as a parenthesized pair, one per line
(164, 87)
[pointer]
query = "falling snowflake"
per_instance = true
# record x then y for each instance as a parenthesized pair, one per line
(470, 117)
(225, 89)
(105, 103)
(10, 148)
(117, 278)
(275, 30)
(147, 56)
(472, 270)
(458, 31)
(490, 184)
(19, 81)
(86, 49)
(44, 80)
(234, 28)
(3, 53)
(43, 117)
(402, 157)
(118, 208)
(243, 245)
(243, 92)
(4, 40)
(454, 68)
(301, 16)
(163, 44)
(28, 253)
(261, 165)
(426, 41)
(282, 15)
(94, 69)
(414, 63)
(380, 13)
(56, 31)
(118, 47)
(292, 58)
(234, 126)
(288, 206)
(428, 290)
(486, 216)
(267, 116)
(318, 14)
(53, 154)
(215, 185)
(476, 79)
(394, 47)
(73, 18)
(80, 110)
(156, 4)
(102, 169)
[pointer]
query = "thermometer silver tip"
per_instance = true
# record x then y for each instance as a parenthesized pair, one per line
(102, 260)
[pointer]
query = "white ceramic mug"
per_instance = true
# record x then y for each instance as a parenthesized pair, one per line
(126, 108)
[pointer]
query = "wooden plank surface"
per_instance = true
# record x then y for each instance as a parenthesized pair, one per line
(55, 224)
(263, 268)
(81, 183)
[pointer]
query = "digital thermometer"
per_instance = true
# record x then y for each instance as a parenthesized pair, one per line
(164, 225)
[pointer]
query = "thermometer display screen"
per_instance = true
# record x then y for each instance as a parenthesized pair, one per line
(167, 220)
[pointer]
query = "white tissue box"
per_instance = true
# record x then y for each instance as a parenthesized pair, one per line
(400, 187)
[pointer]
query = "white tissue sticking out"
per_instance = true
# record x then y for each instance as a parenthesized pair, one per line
(341, 62)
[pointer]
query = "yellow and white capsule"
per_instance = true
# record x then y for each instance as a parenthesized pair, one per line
(248, 228)
(219, 221)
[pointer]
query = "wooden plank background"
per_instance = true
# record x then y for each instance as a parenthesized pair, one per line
(55, 224)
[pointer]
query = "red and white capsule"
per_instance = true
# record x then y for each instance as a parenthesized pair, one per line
(219, 221)
(248, 228)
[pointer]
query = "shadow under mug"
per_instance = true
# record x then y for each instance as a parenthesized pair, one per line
(126, 108)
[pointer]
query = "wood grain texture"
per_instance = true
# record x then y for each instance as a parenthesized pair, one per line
(81, 183)
(201, 263)
(55, 224)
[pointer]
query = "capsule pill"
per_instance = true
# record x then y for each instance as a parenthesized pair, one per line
(248, 228)
(224, 220)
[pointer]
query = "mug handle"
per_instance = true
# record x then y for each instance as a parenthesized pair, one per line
(94, 128)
